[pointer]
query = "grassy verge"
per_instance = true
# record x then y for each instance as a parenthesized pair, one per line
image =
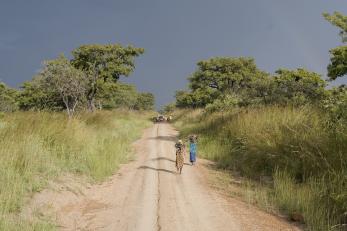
(37, 147)
(291, 160)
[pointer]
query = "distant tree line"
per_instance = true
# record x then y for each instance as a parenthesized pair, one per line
(88, 81)
(221, 83)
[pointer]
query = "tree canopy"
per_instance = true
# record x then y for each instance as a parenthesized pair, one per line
(298, 86)
(217, 77)
(224, 82)
(90, 78)
(69, 83)
(35, 96)
(338, 60)
(226, 74)
(121, 95)
(104, 62)
(7, 98)
(339, 20)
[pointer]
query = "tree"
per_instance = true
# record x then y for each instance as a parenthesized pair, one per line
(169, 108)
(104, 62)
(298, 86)
(145, 101)
(36, 96)
(120, 95)
(7, 98)
(105, 96)
(335, 103)
(339, 20)
(226, 82)
(259, 90)
(224, 103)
(194, 99)
(220, 76)
(117, 95)
(338, 61)
(183, 99)
(66, 80)
(226, 74)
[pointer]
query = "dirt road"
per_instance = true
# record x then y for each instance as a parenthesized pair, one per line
(148, 194)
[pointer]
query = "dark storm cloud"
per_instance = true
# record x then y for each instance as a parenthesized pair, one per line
(176, 34)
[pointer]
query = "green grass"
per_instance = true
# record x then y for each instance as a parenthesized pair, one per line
(307, 200)
(299, 149)
(39, 146)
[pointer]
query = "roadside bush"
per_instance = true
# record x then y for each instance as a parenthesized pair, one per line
(7, 98)
(335, 103)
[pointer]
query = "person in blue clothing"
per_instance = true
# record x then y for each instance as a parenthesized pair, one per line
(192, 148)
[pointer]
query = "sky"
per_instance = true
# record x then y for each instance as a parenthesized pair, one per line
(176, 34)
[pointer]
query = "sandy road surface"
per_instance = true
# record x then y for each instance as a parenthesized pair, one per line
(148, 194)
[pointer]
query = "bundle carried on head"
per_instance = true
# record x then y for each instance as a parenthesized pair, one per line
(193, 138)
(179, 144)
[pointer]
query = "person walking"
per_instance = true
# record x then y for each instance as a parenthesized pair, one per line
(192, 148)
(180, 150)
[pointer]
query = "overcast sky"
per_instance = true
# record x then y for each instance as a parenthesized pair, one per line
(175, 33)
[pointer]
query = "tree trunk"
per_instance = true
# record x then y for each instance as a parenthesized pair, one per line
(91, 106)
(99, 105)
(92, 92)
(91, 100)
(66, 102)
(74, 105)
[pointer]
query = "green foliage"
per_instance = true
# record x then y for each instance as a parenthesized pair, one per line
(226, 74)
(169, 108)
(298, 87)
(218, 78)
(339, 20)
(195, 99)
(35, 96)
(104, 62)
(116, 95)
(120, 95)
(60, 77)
(91, 77)
(7, 98)
(125, 96)
(260, 91)
(338, 61)
(335, 103)
(226, 103)
(145, 101)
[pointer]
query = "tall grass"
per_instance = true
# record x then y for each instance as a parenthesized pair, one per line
(313, 200)
(304, 154)
(38, 146)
